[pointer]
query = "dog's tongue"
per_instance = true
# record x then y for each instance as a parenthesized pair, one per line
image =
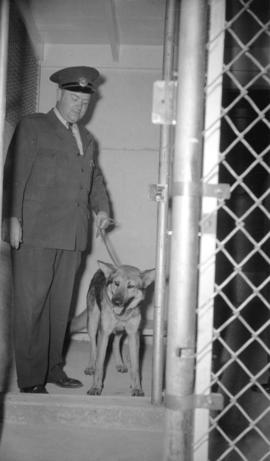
(118, 310)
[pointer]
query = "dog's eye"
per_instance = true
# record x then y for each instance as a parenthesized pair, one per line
(131, 285)
(116, 283)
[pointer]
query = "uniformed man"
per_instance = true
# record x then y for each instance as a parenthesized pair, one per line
(56, 181)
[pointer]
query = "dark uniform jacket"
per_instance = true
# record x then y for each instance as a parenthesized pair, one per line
(53, 187)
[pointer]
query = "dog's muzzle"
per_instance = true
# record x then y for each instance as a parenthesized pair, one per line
(119, 306)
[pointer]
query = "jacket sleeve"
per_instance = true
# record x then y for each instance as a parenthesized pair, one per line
(19, 162)
(99, 199)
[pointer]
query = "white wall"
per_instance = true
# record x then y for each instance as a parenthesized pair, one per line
(128, 142)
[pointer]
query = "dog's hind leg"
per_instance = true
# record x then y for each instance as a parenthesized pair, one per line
(119, 364)
(78, 323)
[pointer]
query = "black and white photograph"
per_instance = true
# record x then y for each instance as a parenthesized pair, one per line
(135, 230)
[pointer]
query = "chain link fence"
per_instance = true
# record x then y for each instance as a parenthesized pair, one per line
(22, 85)
(23, 70)
(237, 301)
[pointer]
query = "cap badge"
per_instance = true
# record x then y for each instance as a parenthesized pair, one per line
(83, 81)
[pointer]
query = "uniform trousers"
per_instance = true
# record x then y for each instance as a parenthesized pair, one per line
(43, 287)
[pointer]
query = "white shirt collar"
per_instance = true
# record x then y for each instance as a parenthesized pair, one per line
(74, 128)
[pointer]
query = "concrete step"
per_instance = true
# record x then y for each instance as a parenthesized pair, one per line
(111, 412)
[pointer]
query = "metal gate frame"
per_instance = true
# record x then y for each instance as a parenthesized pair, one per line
(4, 27)
(209, 223)
(196, 413)
(186, 192)
(248, 286)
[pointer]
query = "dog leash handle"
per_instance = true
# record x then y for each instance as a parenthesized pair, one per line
(111, 251)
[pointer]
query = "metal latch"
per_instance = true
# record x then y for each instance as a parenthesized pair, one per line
(164, 102)
(158, 192)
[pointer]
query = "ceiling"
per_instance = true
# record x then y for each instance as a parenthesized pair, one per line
(97, 22)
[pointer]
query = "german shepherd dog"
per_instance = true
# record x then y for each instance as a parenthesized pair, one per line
(113, 307)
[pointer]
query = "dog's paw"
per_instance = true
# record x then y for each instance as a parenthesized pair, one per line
(121, 368)
(94, 390)
(89, 371)
(137, 392)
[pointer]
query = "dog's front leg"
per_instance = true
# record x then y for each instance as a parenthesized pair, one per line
(92, 327)
(134, 346)
(90, 369)
(96, 388)
(120, 366)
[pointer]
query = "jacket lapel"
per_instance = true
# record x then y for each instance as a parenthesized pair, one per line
(59, 129)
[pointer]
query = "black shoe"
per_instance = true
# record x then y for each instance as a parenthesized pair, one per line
(39, 389)
(60, 378)
(265, 386)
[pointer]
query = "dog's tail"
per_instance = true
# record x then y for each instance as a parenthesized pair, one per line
(78, 323)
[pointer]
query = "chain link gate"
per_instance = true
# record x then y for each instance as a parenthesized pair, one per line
(23, 70)
(234, 287)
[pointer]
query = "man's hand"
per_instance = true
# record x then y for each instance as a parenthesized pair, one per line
(15, 232)
(102, 221)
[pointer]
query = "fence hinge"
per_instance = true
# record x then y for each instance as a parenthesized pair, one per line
(219, 191)
(164, 102)
(211, 401)
(158, 192)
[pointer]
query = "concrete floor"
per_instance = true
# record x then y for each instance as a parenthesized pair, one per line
(115, 383)
(68, 425)
(30, 443)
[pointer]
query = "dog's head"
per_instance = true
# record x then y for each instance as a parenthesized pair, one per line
(125, 285)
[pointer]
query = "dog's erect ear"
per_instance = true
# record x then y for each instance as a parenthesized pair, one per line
(106, 268)
(148, 277)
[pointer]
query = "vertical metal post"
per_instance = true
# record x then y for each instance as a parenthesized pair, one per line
(4, 283)
(186, 191)
(208, 232)
(162, 215)
(4, 27)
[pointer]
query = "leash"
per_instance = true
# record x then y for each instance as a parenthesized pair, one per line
(109, 247)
